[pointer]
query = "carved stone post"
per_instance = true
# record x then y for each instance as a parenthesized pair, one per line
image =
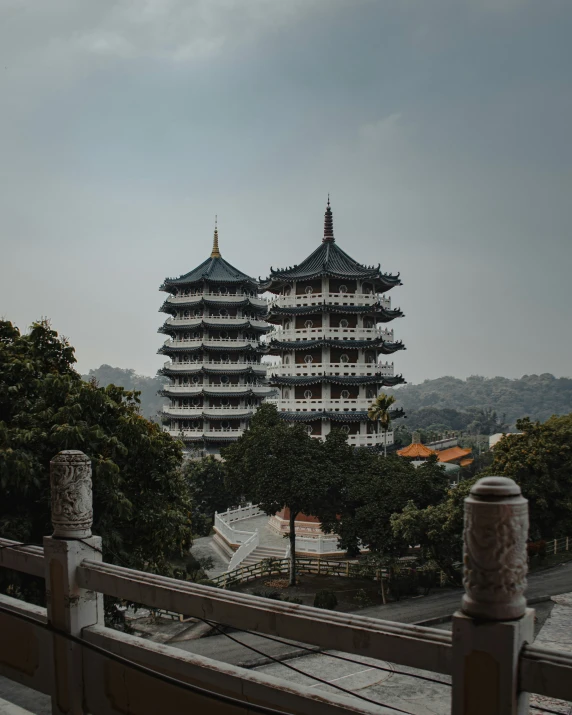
(70, 608)
(494, 622)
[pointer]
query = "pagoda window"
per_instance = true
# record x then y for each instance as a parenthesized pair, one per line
(308, 359)
(223, 313)
(368, 323)
(287, 290)
(344, 358)
(370, 393)
(308, 290)
(369, 358)
(287, 325)
(225, 358)
(343, 323)
(345, 394)
(187, 314)
(225, 426)
(309, 324)
(308, 394)
(224, 379)
(345, 429)
(186, 336)
(309, 429)
(367, 288)
(225, 402)
(223, 335)
(343, 289)
(286, 394)
(196, 380)
(223, 290)
(196, 402)
(286, 360)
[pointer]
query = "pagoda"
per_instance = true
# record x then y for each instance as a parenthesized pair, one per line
(216, 379)
(330, 314)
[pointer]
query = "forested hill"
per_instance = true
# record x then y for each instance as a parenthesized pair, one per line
(536, 396)
(151, 403)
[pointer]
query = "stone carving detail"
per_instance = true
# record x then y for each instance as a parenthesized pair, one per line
(494, 555)
(72, 503)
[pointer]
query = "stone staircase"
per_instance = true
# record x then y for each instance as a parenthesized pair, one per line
(261, 553)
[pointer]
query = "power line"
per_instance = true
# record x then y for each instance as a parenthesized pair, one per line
(338, 657)
(301, 672)
(228, 699)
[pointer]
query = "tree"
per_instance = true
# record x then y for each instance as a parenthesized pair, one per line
(437, 528)
(141, 500)
(380, 414)
(370, 492)
(209, 492)
(540, 461)
(277, 465)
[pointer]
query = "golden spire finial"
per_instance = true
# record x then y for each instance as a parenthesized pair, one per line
(215, 252)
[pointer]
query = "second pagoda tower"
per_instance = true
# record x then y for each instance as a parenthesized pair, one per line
(330, 314)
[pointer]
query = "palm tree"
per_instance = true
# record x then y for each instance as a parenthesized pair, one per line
(379, 413)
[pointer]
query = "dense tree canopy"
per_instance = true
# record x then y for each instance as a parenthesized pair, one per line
(209, 491)
(371, 489)
(277, 465)
(538, 396)
(540, 460)
(141, 500)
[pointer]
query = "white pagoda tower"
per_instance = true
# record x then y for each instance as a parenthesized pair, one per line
(330, 314)
(216, 379)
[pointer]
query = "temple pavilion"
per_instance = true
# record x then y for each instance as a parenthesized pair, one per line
(216, 379)
(330, 315)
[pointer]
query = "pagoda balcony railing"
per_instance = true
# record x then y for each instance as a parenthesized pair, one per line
(219, 297)
(196, 388)
(334, 333)
(67, 652)
(326, 403)
(215, 365)
(303, 299)
(360, 369)
(368, 440)
(196, 342)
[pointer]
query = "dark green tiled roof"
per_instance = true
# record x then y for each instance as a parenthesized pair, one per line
(357, 416)
(377, 379)
(168, 349)
(382, 315)
(384, 347)
(169, 307)
(329, 259)
(213, 270)
(201, 324)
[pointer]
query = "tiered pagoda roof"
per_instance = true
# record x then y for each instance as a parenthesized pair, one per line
(214, 270)
(383, 315)
(330, 260)
(376, 379)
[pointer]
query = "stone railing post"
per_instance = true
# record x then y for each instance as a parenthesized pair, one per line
(494, 623)
(70, 608)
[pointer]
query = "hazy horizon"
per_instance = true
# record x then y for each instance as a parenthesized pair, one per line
(441, 130)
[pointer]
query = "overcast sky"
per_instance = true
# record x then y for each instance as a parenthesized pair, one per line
(441, 128)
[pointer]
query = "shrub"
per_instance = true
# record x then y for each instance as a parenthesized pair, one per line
(325, 599)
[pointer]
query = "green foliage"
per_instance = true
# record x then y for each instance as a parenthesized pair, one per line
(141, 501)
(278, 465)
(454, 402)
(436, 527)
(369, 490)
(540, 461)
(146, 387)
(206, 479)
(325, 599)
(379, 413)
